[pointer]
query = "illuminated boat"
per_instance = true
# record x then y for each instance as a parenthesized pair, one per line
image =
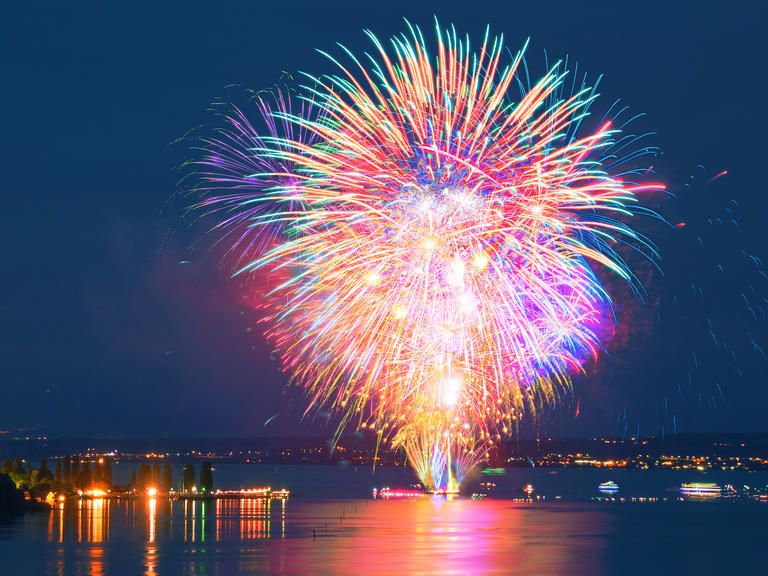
(701, 489)
(395, 493)
(528, 489)
(609, 486)
(444, 492)
(485, 488)
(259, 493)
(451, 488)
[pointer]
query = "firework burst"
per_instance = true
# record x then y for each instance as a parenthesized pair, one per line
(433, 233)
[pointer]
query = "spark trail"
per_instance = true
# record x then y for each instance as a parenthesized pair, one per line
(429, 228)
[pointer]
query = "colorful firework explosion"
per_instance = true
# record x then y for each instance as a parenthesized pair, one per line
(429, 228)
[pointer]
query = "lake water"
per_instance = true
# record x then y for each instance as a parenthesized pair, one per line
(334, 527)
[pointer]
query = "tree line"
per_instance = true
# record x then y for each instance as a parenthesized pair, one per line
(70, 474)
(26, 477)
(153, 477)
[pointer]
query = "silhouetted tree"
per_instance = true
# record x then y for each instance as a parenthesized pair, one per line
(19, 475)
(67, 470)
(206, 478)
(75, 470)
(43, 471)
(167, 476)
(156, 476)
(11, 499)
(106, 471)
(85, 476)
(145, 476)
(188, 481)
(133, 479)
(40, 479)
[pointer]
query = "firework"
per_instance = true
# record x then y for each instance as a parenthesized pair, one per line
(235, 171)
(433, 237)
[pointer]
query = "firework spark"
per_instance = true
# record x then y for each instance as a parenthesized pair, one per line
(235, 172)
(433, 234)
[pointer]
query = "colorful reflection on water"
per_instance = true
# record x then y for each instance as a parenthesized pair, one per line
(420, 536)
(150, 519)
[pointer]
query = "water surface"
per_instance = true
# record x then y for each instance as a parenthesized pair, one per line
(311, 535)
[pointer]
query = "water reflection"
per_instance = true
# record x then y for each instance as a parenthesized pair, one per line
(345, 537)
(300, 537)
(155, 519)
(152, 520)
(452, 537)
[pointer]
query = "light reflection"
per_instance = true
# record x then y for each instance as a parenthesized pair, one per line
(150, 559)
(419, 536)
(219, 523)
(451, 537)
(96, 561)
(152, 504)
(80, 520)
(150, 550)
(96, 520)
(61, 521)
(253, 515)
(202, 520)
(194, 519)
(50, 526)
(190, 520)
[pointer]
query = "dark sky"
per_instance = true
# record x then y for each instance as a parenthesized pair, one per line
(105, 333)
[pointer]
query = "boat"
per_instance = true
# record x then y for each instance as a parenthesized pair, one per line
(397, 493)
(258, 493)
(701, 489)
(444, 492)
(609, 486)
(528, 489)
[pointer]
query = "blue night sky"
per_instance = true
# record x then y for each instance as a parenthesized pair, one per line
(106, 333)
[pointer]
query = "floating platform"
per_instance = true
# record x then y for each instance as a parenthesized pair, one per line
(609, 486)
(266, 493)
(445, 492)
(701, 490)
(396, 493)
